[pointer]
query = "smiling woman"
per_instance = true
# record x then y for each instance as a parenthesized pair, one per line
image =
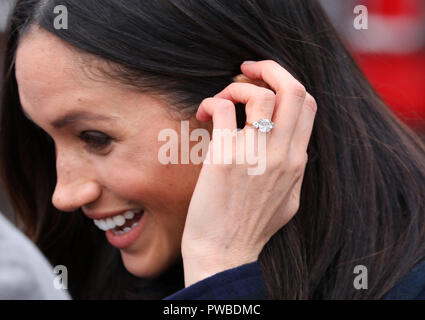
(91, 143)
(83, 108)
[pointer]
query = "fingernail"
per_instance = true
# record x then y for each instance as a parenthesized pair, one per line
(249, 62)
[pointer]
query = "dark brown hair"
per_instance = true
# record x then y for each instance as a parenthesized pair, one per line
(363, 195)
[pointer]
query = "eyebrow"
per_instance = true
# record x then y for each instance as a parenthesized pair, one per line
(74, 116)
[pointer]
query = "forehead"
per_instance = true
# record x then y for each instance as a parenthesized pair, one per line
(49, 73)
(46, 63)
(52, 78)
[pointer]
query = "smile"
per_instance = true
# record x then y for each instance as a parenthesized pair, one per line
(121, 223)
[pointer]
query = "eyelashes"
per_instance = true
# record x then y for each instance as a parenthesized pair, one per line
(95, 140)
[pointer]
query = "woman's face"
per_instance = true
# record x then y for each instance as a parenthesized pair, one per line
(108, 176)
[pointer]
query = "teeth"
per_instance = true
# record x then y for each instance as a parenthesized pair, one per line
(116, 221)
(126, 229)
(110, 223)
(129, 214)
(119, 220)
(102, 225)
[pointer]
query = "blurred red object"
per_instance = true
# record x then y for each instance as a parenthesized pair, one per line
(400, 81)
(394, 7)
(392, 55)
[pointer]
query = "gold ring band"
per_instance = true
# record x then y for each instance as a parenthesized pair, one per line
(263, 125)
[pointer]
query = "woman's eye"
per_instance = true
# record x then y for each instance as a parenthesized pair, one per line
(95, 140)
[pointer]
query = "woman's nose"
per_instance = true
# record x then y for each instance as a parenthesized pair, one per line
(75, 187)
(72, 196)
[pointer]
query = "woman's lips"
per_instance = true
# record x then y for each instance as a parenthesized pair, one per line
(126, 239)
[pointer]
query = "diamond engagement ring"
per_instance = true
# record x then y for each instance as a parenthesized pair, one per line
(263, 125)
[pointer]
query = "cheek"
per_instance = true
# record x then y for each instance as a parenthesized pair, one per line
(140, 177)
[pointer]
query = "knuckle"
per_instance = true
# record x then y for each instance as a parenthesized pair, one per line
(297, 89)
(268, 98)
(234, 86)
(209, 101)
(275, 163)
(310, 102)
(294, 207)
(299, 169)
(205, 100)
(299, 164)
(268, 95)
(223, 105)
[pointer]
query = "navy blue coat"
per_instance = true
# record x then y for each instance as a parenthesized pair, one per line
(246, 283)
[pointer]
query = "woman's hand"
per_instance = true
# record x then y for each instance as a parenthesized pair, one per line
(232, 213)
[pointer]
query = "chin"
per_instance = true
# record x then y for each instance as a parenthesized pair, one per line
(143, 267)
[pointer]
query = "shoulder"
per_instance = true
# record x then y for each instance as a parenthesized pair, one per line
(411, 287)
(246, 282)
(241, 283)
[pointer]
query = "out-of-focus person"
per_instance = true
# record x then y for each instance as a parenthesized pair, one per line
(24, 272)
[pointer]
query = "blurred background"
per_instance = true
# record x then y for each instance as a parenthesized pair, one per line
(391, 52)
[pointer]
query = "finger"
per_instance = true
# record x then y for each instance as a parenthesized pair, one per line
(260, 102)
(290, 95)
(244, 79)
(221, 111)
(304, 127)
